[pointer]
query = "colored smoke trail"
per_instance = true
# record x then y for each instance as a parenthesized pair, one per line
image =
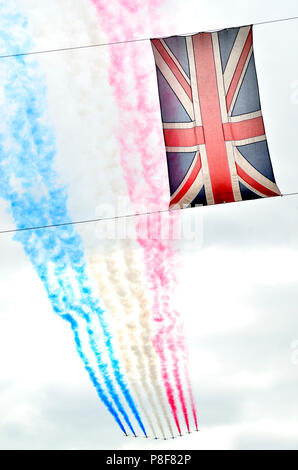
(160, 339)
(100, 392)
(144, 134)
(42, 249)
(138, 290)
(75, 253)
(189, 388)
(28, 184)
(131, 312)
(52, 248)
(170, 331)
(167, 269)
(159, 254)
(123, 331)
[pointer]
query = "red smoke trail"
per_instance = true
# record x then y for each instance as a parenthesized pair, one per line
(162, 253)
(146, 136)
(162, 260)
(156, 254)
(168, 280)
(170, 254)
(160, 336)
(171, 331)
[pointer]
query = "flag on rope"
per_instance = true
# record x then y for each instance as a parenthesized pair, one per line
(212, 120)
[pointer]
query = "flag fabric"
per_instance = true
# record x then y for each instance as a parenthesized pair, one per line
(213, 127)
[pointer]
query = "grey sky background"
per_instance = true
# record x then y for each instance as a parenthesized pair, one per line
(237, 290)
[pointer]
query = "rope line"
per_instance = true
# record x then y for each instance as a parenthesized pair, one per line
(132, 40)
(101, 219)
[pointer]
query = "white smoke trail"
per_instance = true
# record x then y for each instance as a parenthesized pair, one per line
(138, 290)
(138, 330)
(123, 327)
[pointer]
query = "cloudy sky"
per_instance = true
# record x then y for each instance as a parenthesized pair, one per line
(238, 285)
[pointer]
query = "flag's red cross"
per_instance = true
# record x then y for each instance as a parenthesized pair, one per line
(208, 97)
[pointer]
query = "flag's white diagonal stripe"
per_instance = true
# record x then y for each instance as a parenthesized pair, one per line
(240, 81)
(174, 59)
(186, 176)
(255, 174)
(235, 55)
(174, 83)
(248, 186)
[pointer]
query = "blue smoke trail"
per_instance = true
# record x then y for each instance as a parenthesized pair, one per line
(56, 254)
(28, 149)
(78, 264)
(89, 369)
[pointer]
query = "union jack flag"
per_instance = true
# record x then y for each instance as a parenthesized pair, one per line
(212, 121)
